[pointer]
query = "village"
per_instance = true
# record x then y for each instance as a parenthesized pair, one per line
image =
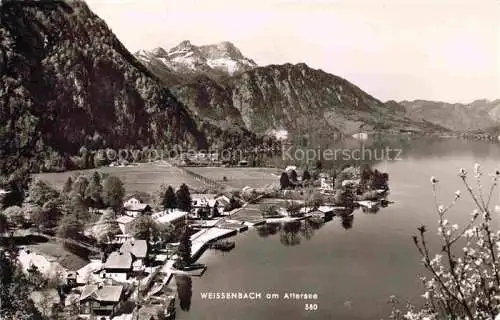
(142, 249)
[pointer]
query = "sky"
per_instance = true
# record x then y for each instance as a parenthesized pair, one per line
(445, 50)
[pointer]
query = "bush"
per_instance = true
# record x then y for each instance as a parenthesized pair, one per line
(293, 209)
(269, 211)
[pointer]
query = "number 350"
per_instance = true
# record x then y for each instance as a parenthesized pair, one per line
(311, 307)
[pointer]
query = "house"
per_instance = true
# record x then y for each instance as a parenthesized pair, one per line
(101, 300)
(139, 250)
(136, 204)
(135, 210)
(89, 273)
(118, 266)
(360, 136)
(125, 223)
(132, 201)
(175, 217)
(203, 200)
(223, 202)
(327, 185)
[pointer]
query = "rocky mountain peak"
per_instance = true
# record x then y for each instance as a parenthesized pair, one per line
(159, 52)
(220, 58)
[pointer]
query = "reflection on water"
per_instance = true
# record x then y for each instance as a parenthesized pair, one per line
(291, 233)
(268, 229)
(184, 291)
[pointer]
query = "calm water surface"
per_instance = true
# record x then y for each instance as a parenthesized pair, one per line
(353, 270)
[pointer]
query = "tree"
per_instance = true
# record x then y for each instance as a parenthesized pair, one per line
(15, 291)
(43, 218)
(215, 212)
(293, 209)
(284, 181)
(315, 200)
(379, 180)
(69, 227)
(184, 198)
(269, 211)
(107, 227)
(306, 175)
(15, 216)
(4, 225)
(345, 197)
(50, 214)
(68, 185)
(113, 192)
(343, 175)
(17, 184)
(73, 203)
(80, 185)
(144, 228)
(318, 165)
(93, 192)
(184, 249)
(293, 176)
(40, 192)
(169, 199)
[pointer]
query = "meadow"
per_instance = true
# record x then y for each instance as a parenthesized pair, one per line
(142, 178)
(240, 177)
(148, 177)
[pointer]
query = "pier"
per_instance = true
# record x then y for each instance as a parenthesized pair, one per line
(201, 239)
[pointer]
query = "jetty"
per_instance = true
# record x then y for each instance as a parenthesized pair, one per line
(201, 239)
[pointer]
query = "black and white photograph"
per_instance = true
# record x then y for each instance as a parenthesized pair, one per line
(249, 159)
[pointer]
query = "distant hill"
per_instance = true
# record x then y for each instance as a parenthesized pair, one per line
(474, 116)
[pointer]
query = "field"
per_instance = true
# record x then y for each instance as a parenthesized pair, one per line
(142, 178)
(240, 177)
(148, 177)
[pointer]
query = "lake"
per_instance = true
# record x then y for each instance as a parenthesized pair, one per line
(353, 270)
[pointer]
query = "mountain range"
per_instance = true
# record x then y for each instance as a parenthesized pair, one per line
(262, 99)
(67, 83)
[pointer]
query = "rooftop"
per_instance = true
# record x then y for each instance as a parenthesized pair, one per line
(203, 196)
(119, 260)
(169, 216)
(137, 207)
(138, 248)
(86, 272)
(125, 219)
(105, 293)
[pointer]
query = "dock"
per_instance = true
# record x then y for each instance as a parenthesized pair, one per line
(201, 239)
(240, 227)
